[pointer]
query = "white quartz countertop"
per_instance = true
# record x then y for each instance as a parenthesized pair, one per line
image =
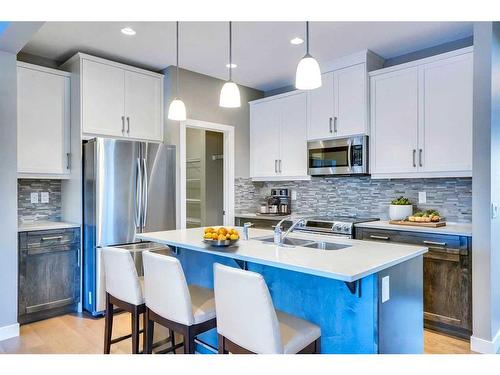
(361, 259)
(44, 225)
(458, 229)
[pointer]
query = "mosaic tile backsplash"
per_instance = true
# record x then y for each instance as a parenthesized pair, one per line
(362, 196)
(28, 211)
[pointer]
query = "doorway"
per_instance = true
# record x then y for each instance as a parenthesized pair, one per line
(207, 174)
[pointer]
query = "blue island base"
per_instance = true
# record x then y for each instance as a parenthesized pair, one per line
(350, 323)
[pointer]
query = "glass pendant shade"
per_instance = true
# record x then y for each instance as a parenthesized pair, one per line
(177, 110)
(308, 75)
(230, 95)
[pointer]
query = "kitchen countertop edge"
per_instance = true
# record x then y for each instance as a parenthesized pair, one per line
(45, 225)
(455, 229)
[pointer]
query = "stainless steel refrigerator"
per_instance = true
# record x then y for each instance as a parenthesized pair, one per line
(128, 188)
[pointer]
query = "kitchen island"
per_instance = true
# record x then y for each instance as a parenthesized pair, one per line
(366, 297)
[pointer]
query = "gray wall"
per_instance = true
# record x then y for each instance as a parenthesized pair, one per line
(486, 184)
(200, 94)
(8, 189)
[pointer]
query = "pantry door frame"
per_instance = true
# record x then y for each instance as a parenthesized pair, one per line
(229, 155)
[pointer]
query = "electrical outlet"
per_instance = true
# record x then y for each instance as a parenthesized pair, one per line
(44, 197)
(294, 195)
(34, 197)
(422, 197)
(385, 289)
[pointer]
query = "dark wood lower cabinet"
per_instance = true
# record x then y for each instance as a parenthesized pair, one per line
(49, 273)
(447, 277)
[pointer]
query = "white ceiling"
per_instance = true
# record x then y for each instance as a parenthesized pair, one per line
(266, 59)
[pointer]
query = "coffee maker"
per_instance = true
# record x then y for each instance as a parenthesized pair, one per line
(278, 203)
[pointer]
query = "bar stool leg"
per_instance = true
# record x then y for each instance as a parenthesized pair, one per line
(135, 331)
(172, 339)
(188, 342)
(221, 344)
(148, 332)
(108, 325)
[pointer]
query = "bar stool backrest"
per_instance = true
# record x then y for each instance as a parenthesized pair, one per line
(245, 311)
(165, 288)
(121, 277)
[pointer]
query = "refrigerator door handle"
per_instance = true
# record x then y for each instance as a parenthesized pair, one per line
(144, 193)
(138, 193)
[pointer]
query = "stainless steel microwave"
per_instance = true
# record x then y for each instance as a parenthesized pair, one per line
(343, 156)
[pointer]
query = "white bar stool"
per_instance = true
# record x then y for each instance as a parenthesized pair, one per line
(172, 303)
(248, 323)
(124, 289)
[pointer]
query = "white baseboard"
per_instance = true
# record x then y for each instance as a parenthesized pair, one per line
(484, 346)
(7, 332)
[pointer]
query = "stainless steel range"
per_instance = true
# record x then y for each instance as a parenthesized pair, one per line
(340, 226)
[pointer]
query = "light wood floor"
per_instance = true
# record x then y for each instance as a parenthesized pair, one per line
(75, 334)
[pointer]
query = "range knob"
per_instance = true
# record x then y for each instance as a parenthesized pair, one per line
(337, 227)
(346, 228)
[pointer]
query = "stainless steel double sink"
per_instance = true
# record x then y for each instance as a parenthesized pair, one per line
(292, 242)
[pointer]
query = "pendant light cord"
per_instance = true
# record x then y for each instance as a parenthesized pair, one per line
(307, 37)
(230, 50)
(177, 56)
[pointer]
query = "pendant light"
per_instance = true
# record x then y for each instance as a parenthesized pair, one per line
(177, 109)
(308, 74)
(230, 93)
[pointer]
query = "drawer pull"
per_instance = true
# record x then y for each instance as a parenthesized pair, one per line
(52, 238)
(386, 238)
(432, 243)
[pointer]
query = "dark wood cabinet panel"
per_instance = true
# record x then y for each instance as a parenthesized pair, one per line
(49, 273)
(447, 277)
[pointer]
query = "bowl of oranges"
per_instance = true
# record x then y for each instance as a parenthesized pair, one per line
(221, 236)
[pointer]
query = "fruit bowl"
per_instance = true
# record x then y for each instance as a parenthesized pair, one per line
(220, 236)
(221, 243)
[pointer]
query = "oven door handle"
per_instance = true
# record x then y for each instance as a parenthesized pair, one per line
(349, 147)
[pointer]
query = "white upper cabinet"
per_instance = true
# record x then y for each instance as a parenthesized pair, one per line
(351, 106)
(118, 100)
(143, 95)
(43, 122)
(421, 118)
(103, 93)
(293, 144)
(339, 107)
(446, 137)
(278, 143)
(321, 109)
(264, 138)
(394, 121)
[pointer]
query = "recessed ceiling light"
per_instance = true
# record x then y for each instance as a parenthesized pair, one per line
(297, 40)
(232, 65)
(128, 31)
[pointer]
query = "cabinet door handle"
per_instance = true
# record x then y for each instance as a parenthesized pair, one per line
(275, 165)
(68, 160)
(420, 157)
(335, 124)
(280, 165)
(385, 238)
(53, 238)
(128, 125)
(414, 156)
(123, 124)
(432, 243)
(330, 124)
